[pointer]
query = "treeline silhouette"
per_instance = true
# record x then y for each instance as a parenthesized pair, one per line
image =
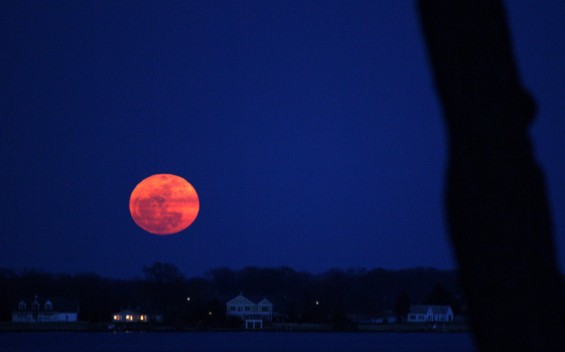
(334, 296)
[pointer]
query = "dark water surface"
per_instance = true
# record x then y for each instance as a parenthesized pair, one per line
(235, 342)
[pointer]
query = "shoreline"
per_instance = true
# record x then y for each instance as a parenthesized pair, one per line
(9, 327)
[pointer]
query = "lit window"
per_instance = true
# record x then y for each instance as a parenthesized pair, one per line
(129, 317)
(117, 317)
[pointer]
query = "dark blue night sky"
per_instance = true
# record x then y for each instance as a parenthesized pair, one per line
(310, 130)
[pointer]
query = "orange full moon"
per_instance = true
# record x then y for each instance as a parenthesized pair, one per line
(164, 204)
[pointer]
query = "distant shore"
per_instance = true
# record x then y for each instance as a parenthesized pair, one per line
(277, 327)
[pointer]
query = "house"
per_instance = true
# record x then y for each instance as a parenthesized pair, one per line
(429, 314)
(129, 316)
(42, 310)
(254, 315)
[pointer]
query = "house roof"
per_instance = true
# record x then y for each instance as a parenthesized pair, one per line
(423, 309)
(441, 309)
(240, 300)
(264, 301)
(418, 309)
(59, 304)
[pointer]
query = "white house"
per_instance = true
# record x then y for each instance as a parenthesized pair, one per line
(429, 314)
(253, 314)
(46, 310)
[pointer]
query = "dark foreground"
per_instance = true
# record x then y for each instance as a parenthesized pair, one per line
(234, 342)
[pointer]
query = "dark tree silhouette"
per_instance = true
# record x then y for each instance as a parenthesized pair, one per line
(186, 302)
(497, 209)
(162, 273)
(163, 284)
(402, 306)
(441, 296)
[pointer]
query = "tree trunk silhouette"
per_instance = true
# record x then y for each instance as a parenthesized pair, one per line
(497, 211)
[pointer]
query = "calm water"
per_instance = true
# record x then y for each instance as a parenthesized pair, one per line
(234, 342)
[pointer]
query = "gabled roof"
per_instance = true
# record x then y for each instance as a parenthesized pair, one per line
(59, 304)
(418, 309)
(240, 300)
(425, 309)
(264, 301)
(441, 309)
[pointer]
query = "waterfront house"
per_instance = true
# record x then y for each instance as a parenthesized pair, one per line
(129, 316)
(43, 310)
(254, 315)
(429, 314)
